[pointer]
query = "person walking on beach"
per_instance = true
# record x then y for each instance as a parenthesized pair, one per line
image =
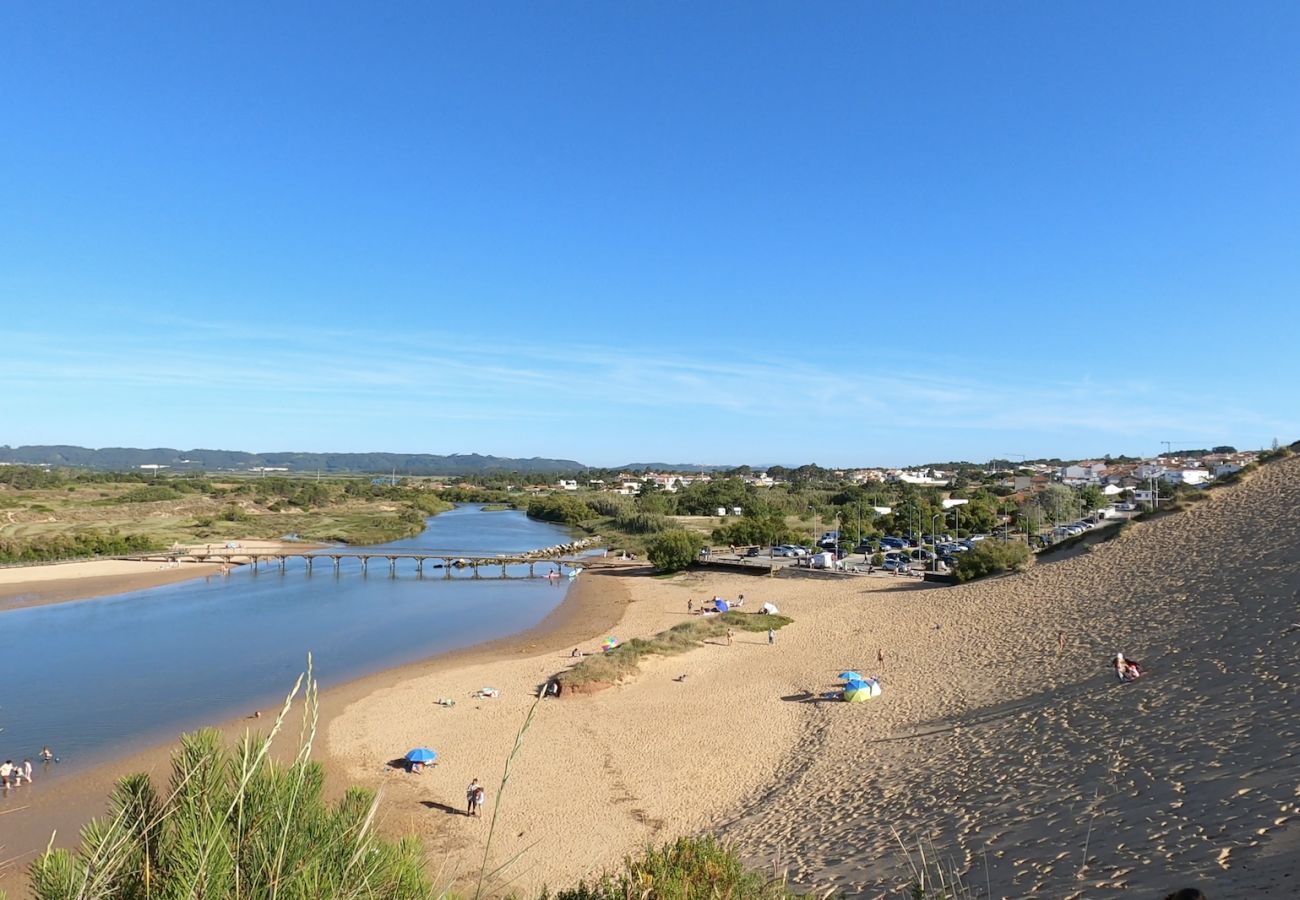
(471, 798)
(690, 604)
(771, 636)
(730, 635)
(27, 770)
(479, 794)
(6, 772)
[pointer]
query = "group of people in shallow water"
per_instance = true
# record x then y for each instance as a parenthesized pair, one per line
(13, 774)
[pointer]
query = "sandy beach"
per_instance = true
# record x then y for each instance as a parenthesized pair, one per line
(37, 585)
(1002, 736)
(1028, 765)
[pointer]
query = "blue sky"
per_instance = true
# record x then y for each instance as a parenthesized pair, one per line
(860, 233)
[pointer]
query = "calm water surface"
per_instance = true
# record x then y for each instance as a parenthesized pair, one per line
(95, 677)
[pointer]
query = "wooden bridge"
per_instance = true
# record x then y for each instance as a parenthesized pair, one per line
(447, 561)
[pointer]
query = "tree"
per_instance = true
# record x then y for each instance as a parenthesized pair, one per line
(1056, 503)
(673, 551)
(1092, 496)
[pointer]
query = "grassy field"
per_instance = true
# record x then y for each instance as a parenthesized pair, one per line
(213, 512)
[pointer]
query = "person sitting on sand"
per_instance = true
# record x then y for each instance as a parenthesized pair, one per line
(1125, 669)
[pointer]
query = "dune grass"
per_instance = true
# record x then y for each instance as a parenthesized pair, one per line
(688, 868)
(622, 662)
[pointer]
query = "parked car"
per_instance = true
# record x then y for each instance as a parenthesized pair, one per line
(895, 543)
(782, 550)
(754, 551)
(864, 547)
(922, 555)
(898, 565)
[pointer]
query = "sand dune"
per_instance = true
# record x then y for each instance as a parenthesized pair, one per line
(1013, 757)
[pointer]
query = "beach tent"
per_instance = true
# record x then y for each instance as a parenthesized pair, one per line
(421, 755)
(609, 643)
(770, 609)
(721, 605)
(862, 691)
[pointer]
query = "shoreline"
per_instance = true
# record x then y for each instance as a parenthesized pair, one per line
(1001, 739)
(45, 584)
(71, 801)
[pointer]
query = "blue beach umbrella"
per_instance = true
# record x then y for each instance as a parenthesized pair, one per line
(854, 683)
(850, 676)
(721, 605)
(421, 755)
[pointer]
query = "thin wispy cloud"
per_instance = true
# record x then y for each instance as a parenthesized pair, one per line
(487, 381)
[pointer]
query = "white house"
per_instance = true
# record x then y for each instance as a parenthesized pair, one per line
(1187, 476)
(1089, 472)
(1223, 470)
(566, 484)
(1152, 468)
(924, 478)
(630, 487)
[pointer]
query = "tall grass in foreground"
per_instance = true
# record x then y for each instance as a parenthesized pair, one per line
(234, 825)
(622, 662)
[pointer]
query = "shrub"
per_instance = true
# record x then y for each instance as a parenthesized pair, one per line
(562, 508)
(640, 523)
(148, 494)
(233, 513)
(685, 869)
(991, 557)
(674, 550)
(74, 546)
(769, 530)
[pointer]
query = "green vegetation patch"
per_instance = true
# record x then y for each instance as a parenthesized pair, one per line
(53, 547)
(991, 557)
(673, 551)
(623, 661)
(687, 869)
(563, 508)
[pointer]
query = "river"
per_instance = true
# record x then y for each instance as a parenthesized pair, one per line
(95, 678)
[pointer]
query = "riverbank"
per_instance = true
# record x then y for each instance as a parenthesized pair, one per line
(45, 583)
(1001, 735)
(62, 805)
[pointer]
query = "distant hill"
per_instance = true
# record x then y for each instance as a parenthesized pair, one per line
(125, 458)
(671, 467)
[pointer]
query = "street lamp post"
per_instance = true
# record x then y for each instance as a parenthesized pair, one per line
(934, 563)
